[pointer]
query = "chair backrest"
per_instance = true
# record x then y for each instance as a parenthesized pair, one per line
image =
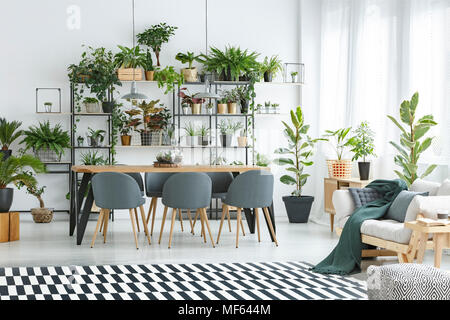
(251, 189)
(114, 190)
(136, 176)
(187, 190)
(220, 181)
(154, 182)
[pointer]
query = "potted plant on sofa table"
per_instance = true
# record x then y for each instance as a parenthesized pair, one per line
(9, 132)
(363, 147)
(12, 172)
(340, 168)
(297, 156)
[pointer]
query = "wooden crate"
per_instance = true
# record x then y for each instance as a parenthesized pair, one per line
(9, 226)
(126, 74)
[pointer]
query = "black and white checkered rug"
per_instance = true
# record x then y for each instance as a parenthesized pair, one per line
(216, 281)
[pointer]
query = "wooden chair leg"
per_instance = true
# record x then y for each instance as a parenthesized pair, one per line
(195, 220)
(181, 219)
(145, 225)
(162, 224)
(257, 224)
(134, 228)
(137, 220)
(205, 217)
(229, 218)
(242, 227)
(190, 220)
(238, 226)
(224, 212)
(174, 214)
(269, 222)
(99, 221)
(101, 225)
(105, 224)
(203, 225)
(149, 212)
(155, 203)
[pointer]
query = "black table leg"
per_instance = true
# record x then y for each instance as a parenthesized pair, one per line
(250, 217)
(272, 218)
(82, 222)
(73, 203)
(79, 197)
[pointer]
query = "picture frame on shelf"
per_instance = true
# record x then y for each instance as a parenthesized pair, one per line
(48, 100)
(294, 72)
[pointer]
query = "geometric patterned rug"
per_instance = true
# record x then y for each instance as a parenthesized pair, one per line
(212, 281)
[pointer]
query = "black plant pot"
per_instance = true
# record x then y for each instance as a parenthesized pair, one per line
(202, 77)
(107, 106)
(6, 199)
(5, 154)
(244, 106)
(364, 170)
(244, 77)
(267, 76)
(146, 138)
(225, 139)
(298, 208)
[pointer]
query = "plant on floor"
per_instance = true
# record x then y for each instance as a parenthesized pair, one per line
(46, 138)
(96, 137)
(270, 67)
(412, 144)
(155, 36)
(168, 78)
(362, 147)
(9, 132)
(297, 156)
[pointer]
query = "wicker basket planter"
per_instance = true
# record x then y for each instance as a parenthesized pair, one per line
(151, 138)
(339, 169)
(42, 215)
(46, 155)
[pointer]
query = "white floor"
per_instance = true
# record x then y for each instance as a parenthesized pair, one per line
(50, 244)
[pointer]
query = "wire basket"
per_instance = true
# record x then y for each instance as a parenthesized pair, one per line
(47, 155)
(339, 169)
(151, 138)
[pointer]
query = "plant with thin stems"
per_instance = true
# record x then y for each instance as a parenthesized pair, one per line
(363, 142)
(155, 36)
(190, 130)
(342, 141)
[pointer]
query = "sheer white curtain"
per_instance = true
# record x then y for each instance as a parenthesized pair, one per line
(374, 54)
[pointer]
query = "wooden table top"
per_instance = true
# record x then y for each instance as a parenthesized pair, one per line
(151, 168)
(415, 225)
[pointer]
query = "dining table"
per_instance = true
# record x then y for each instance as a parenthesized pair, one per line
(82, 196)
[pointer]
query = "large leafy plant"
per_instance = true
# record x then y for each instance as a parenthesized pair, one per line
(363, 142)
(412, 140)
(298, 153)
(271, 65)
(9, 132)
(342, 140)
(155, 36)
(130, 57)
(46, 137)
(188, 57)
(12, 170)
(168, 78)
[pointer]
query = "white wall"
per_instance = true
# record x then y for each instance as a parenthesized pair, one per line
(38, 47)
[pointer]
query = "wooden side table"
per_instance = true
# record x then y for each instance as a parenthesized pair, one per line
(441, 240)
(333, 184)
(9, 226)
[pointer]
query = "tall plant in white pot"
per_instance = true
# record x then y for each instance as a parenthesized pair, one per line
(297, 156)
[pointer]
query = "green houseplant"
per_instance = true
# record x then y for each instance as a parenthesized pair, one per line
(189, 99)
(271, 67)
(363, 147)
(168, 78)
(297, 156)
(91, 105)
(412, 140)
(189, 73)
(340, 168)
(12, 171)
(148, 66)
(96, 137)
(191, 132)
(47, 142)
(202, 133)
(155, 36)
(9, 132)
(128, 61)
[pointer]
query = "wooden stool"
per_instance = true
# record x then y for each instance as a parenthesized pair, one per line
(9, 226)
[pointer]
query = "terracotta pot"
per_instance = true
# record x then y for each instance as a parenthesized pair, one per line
(42, 215)
(242, 141)
(196, 108)
(149, 75)
(222, 108)
(126, 140)
(232, 107)
(190, 75)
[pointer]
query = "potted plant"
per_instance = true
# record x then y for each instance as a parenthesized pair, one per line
(167, 78)
(48, 106)
(259, 107)
(267, 106)
(122, 122)
(48, 143)
(173, 157)
(91, 105)
(340, 168)
(231, 99)
(271, 66)
(294, 76)
(128, 61)
(147, 64)
(222, 105)
(191, 100)
(241, 94)
(155, 120)
(9, 132)
(210, 108)
(242, 139)
(262, 160)
(202, 133)
(363, 146)
(80, 141)
(297, 157)
(12, 172)
(411, 147)
(41, 214)
(155, 36)
(185, 107)
(189, 73)
(96, 137)
(275, 108)
(190, 134)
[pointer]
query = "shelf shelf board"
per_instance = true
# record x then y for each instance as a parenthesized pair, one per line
(279, 83)
(181, 146)
(271, 114)
(56, 163)
(91, 114)
(213, 115)
(89, 147)
(54, 113)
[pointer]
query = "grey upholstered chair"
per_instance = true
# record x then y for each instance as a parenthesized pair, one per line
(220, 184)
(252, 189)
(113, 190)
(187, 190)
(154, 183)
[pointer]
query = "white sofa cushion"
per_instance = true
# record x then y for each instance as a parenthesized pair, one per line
(444, 189)
(390, 230)
(343, 205)
(420, 185)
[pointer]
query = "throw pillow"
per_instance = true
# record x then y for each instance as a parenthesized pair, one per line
(398, 208)
(420, 185)
(363, 196)
(444, 189)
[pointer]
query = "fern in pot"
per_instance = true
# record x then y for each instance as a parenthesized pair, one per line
(47, 142)
(297, 156)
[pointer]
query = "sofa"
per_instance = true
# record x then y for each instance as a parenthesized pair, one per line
(390, 237)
